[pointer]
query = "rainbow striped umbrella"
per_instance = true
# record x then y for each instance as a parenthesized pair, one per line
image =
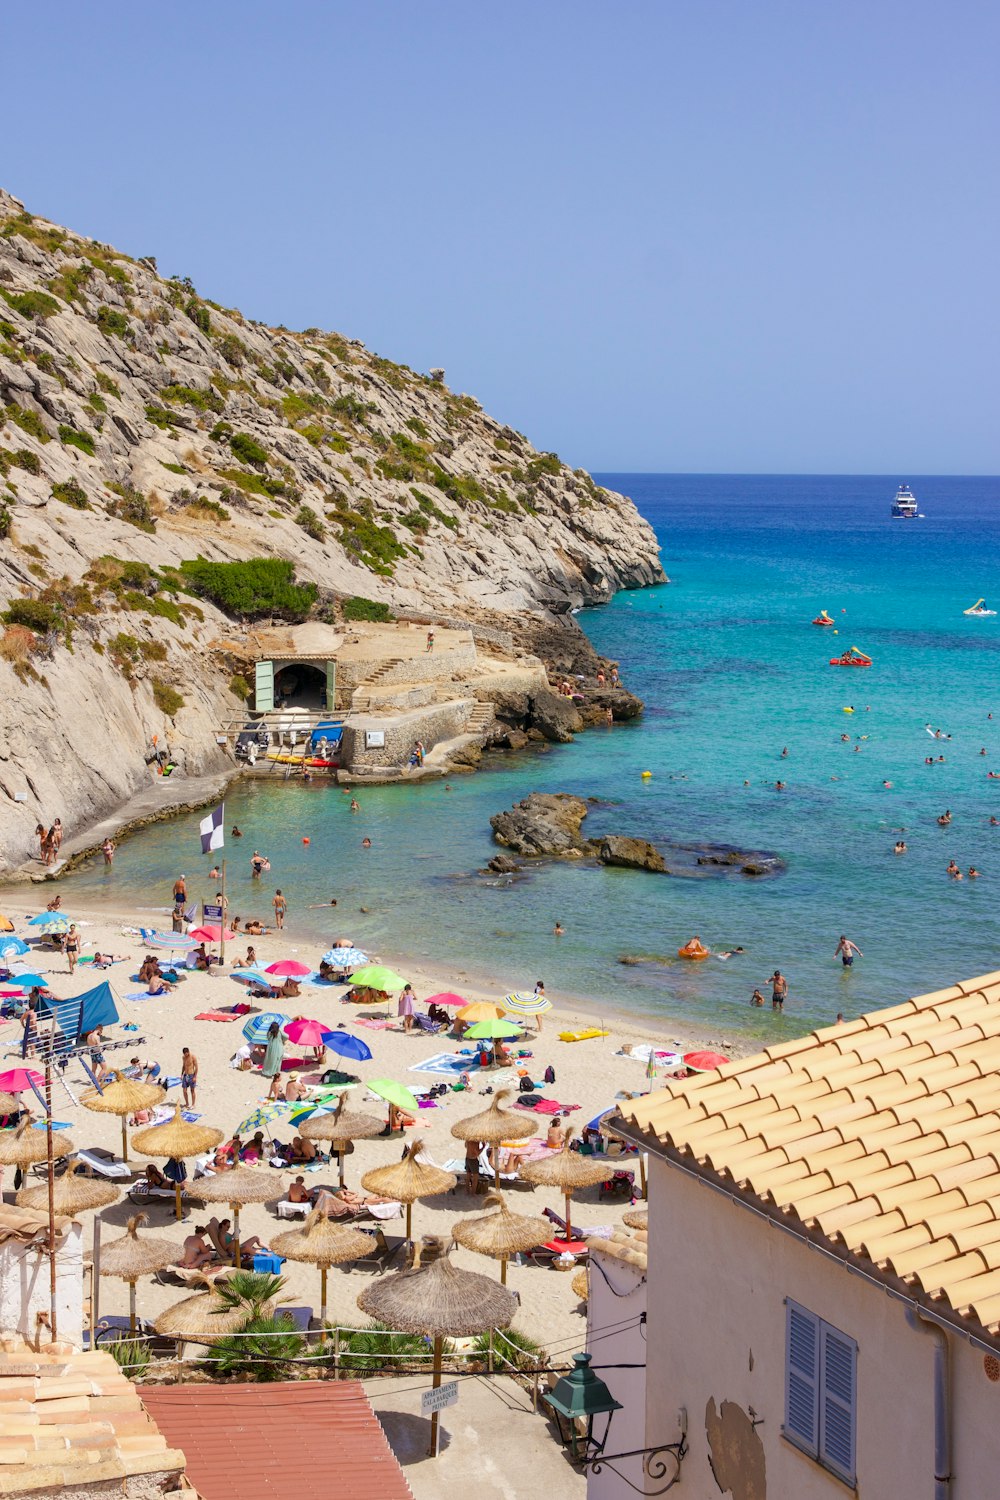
(519, 1004)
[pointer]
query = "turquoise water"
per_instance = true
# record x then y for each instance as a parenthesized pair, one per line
(731, 671)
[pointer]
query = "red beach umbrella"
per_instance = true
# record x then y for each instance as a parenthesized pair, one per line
(16, 1080)
(210, 935)
(704, 1062)
(307, 1033)
(446, 998)
(288, 966)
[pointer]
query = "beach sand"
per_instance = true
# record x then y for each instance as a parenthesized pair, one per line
(589, 1073)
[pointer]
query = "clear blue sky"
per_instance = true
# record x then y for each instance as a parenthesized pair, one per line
(662, 235)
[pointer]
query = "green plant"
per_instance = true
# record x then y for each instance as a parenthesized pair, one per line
(263, 1351)
(202, 505)
(70, 492)
(359, 608)
(160, 416)
(6, 521)
(113, 323)
(232, 349)
(199, 315)
(239, 686)
(188, 394)
(34, 613)
(29, 421)
(415, 425)
(33, 304)
(377, 1347)
(248, 450)
(510, 1346)
(252, 484)
(97, 402)
(428, 506)
(23, 458)
(107, 384)
(167, 699)
(310, 523)
(132, 506)
(76, 439)
(173, 468)
(132, 1356)
(299, 404)
(376, 546)
(24, 224)
(464, 489)
(248, 590)
(351, 407)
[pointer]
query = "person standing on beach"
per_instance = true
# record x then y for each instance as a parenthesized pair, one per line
(539, 995)
(430, 640)
(29, 1023)
(273, 1055)
(108, 850)
(404, 1008)
(845, 951)
(189, 1076)
(779, 990)
(56, 835)
(180, 892)
(71, 946)
(280, 907)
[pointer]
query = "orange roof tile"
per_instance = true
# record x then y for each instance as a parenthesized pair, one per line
(284, 1440)
(881, 1136)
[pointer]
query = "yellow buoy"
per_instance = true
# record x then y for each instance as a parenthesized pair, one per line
(646, 775)
(848, 710)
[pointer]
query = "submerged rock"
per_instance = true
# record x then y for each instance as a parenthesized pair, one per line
(633, 854)
(542, 823)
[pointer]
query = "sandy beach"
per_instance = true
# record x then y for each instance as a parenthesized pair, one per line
(589, 1074)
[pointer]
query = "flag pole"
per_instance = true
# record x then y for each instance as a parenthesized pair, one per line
(222, 923)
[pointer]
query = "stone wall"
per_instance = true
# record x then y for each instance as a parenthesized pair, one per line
(436, 722)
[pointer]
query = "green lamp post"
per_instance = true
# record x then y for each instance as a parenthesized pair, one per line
(576, 1399)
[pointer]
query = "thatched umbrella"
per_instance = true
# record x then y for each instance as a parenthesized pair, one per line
(501, 1235)
(494, 1125)
(567, 1171)
(26, 1146)
(340, 1128)
(132, 1257)
(636, 1218)
(322, 1244)
(205, 1318)
(440, 1301)
(238, 1187)
(71, 1193)
(8, 1104)
(176, 1138)
(581, 1283)
(123, 1097)
(409, 1180)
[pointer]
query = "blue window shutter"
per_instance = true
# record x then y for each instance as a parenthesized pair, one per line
(802, 1378)
(838, 1402)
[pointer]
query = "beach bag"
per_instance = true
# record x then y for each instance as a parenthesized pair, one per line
(550, 1074)
(526, 1086)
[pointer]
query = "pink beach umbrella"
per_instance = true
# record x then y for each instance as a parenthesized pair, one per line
(305, 1032)
(288, 966)
(16, 1080)
(704, 1062)
(446, 998)
(210, 935)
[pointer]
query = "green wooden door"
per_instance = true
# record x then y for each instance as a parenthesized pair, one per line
(264, 687)
(331, 686)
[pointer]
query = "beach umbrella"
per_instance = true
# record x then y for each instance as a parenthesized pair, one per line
(518, 1004)
(16, 1080)
(446, 998)
(636, 1218)
(239, 1187)
(345, 958)
(132, 1257)
(264, 1116)
(123, 1097)
(255, 1028)
(8, 1104)
(288, 966)
(28, 981)
(581, 1283)
(493, 1125)
(205, 1318)
(71, 1193)
(12, 946)
(304, 1032)
(394, 1093)
(409, 1180)
(340, 1127)
(175, 940)
(51, 921)
(501, 1234)
(480, 1010)
(567, 1171)
(178, 1139)
(210, 935)
(6, 925)
(440, 1301)
(24, 1146)
(493, 1030)
(346, 1045)
(323, 1244)
(251, 976)
(704, 1062)
(378, 977)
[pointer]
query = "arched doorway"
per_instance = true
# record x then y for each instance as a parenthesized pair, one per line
(300, 685)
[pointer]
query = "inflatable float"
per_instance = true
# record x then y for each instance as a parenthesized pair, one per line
(582, 1036)
(979, 610)
(314, 761)
(694, 950)
(852, 657)
(823, 618)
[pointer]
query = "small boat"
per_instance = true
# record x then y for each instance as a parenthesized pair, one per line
(852, 657)
(904, 507)
(979, 610)
(823, 618)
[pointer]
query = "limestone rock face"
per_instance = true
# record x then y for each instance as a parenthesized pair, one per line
(544, 823)
(142, 427)
(633, 854)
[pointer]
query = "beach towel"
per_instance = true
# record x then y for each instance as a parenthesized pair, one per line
(545, 1106)
(217, 1015)
(446, 1062)
(143, 995)
(372, 1024)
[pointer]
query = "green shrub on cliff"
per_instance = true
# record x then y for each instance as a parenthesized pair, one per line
(248, 450)
(252, 589)
(358, 608)
(34, 613)
(167, 699)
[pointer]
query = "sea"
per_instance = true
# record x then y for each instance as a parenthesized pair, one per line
(733, 674)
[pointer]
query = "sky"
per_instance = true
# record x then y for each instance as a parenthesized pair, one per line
(654, 236)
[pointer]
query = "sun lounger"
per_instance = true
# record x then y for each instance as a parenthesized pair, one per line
(189, 1276)
(101, 1163)
(384, 1250)
(424, 1023)
(144, 1192)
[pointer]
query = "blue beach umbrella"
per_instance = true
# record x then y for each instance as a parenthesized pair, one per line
(255, 1028)
(345, 958)
(263, 1117)
(11, 945)
(28, 981)
(252, 976)
(346, 1045)
(175, 940)
(51, 921)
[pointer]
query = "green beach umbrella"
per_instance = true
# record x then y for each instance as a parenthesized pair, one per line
(493, 1030)
(377, 977)
(394, 1093)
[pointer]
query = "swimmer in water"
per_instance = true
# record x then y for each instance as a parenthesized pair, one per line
(756, 998)
(945, 818)
(995, 822)
(559, 930)
(366, 843)
(784, 752)
(954, 871)
(900, 847)
(973, 873)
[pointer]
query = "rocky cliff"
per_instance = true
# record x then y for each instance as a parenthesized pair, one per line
(143, 427)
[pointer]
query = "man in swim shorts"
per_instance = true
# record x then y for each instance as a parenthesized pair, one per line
(779, 990)
(846, 950)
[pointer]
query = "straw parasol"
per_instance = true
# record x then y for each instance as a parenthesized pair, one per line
(26, 1146)
(205, 1318)
(502, 1234)
(438, 1300)
(567, 1171)
(341, 1127)
(8, 1104)
(176, 1138)
(132, 1257)
(322, 1244)
(71, 1193)
(238, 1187)
(123, 1097)
(636, 1218)
(581, 1283)
(494, 1125)
(409, 1180)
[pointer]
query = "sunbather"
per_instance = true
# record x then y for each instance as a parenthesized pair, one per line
(248, 1247)
(299, 1193)
(254, 1149)
(197, 1252)
(155, 1178)
(295, 1089)
(303, 1150)
(345, 1203)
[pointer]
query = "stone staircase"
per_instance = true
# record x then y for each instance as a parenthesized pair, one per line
(361, 700)
(480, 719)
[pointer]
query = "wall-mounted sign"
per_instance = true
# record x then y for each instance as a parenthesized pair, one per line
(211, 913)
(374, 739)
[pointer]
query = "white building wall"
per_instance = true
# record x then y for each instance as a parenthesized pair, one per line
(615, 1336)
(25, 1287)
(718, 1279)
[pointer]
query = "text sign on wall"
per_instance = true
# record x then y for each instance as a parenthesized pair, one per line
(374, 739)
(211, 913)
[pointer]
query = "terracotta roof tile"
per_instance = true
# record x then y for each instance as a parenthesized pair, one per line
(281, 1439)
(881, 1135)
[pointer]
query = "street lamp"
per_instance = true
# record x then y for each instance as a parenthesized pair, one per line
(576, 1399)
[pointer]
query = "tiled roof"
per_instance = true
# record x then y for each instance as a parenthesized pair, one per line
(630, 1248)
(70, 1419)
(284, 1440)
(881, 1137)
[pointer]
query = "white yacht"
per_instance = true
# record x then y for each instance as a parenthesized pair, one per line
(904, 507)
